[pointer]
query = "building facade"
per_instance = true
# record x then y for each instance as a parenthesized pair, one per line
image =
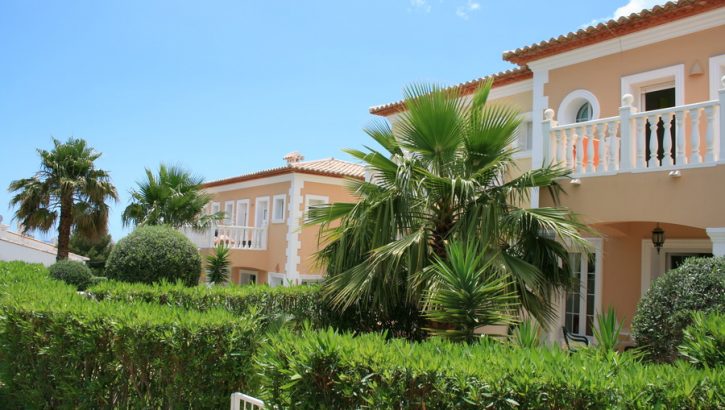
(635, 107)
(264, 219)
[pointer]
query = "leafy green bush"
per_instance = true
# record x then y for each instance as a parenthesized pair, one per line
(327, 370)
(59, 349)
(154, 253)
(301, 302)
(72, 272)
(666, 309)
(607, 330)
(704, 340)
(217, 265)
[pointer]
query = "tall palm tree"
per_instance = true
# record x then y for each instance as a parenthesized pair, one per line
(446, 173)
(173, 197)
(68, 191)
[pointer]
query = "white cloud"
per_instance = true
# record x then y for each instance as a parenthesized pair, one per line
(464, 11)
(632, 6)
(421, 5)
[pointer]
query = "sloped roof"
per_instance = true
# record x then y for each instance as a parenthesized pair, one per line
(642, 20)
(330, 167)
(32, 243)
(499, 79)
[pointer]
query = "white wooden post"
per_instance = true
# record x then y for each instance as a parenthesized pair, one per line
(720, 139)
(627, 139)
(546, 126)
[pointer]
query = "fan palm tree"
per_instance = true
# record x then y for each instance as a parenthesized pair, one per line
(446, 172)
(173, 197)
(68, 191)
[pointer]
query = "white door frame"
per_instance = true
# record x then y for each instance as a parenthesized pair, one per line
(257, 211)
(246, 219)
(597, 246)
(652, 261)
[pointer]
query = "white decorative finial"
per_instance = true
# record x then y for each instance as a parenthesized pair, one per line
(627, 100)
(549, 114)
(722, 82)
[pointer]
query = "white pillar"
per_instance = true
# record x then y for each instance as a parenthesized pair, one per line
(717, 236)
(719, 143)
(628, 139)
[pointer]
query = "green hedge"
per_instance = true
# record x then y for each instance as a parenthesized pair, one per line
(325, 370)
(301, 302)
(59, 349)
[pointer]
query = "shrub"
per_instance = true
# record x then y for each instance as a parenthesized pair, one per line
(607, 330)
(59, 349)
(527, 334)
(217, 265)
(72, 272)
(301, 302)
(704, 340)
(154, 253)
(666, 309)
(328, 370)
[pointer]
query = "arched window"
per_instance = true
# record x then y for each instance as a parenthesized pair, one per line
(584, 113)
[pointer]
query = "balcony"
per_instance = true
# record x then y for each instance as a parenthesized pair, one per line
(234, 237)
(669, 139)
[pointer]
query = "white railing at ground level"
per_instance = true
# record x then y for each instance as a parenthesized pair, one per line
(666, 139)
(234, 237)
(241, 401)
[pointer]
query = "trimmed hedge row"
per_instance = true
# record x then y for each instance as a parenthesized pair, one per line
(59, 349)
(326, 370)
(301, 302)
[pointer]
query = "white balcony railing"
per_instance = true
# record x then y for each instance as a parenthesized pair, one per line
(234, 237)
(667, 139)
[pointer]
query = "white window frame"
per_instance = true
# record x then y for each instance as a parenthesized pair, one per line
(229, 219)
(323, 198)
(215, 208)
(571, 104)
(236, 214)
(717, 71)
(635, 84)
(524, 153)
(276, 275)
(597, 251)
(283, 208)
(652, 261)
(257, 201)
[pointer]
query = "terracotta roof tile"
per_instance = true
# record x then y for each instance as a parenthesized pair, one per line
(325, 167)
(642, 20)
(499, 79)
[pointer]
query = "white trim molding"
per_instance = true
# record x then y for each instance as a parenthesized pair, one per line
(573, 101)
(540, 103)
(633, 84)
(654, 264)
(293, 228)
(275, 208)
(717, 236)
(249, 184)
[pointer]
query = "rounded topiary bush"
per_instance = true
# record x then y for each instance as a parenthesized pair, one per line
(154, 253)
(698, 285)
(72, 272)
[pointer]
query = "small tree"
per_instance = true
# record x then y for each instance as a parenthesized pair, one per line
(466, 293)
(96, 249)
(68, 191)
(217, 265)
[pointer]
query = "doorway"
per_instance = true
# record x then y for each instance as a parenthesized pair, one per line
(657, 97)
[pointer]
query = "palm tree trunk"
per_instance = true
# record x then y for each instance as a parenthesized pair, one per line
(64, 225)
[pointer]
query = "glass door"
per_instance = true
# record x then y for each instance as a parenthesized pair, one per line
(581, 299)
(655, 98)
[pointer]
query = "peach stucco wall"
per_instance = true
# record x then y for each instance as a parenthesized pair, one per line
(602, 76)
(697, 198)
(309, 235)
(521, 101)
(622, 262)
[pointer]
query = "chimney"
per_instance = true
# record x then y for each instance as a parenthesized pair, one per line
(293, 157)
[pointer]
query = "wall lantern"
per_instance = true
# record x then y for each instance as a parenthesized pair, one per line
(658, 237)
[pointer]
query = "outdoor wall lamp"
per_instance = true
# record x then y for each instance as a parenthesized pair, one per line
(658, 237)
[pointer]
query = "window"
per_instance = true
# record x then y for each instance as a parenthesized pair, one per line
(525, 135)
(278, 206)
(584, 113)
(313, 201)
(228, 212)
(215, 207)
(578, 106)
(242, 212)
(581, 302)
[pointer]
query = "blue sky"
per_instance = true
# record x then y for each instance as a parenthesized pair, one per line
(228, 87)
